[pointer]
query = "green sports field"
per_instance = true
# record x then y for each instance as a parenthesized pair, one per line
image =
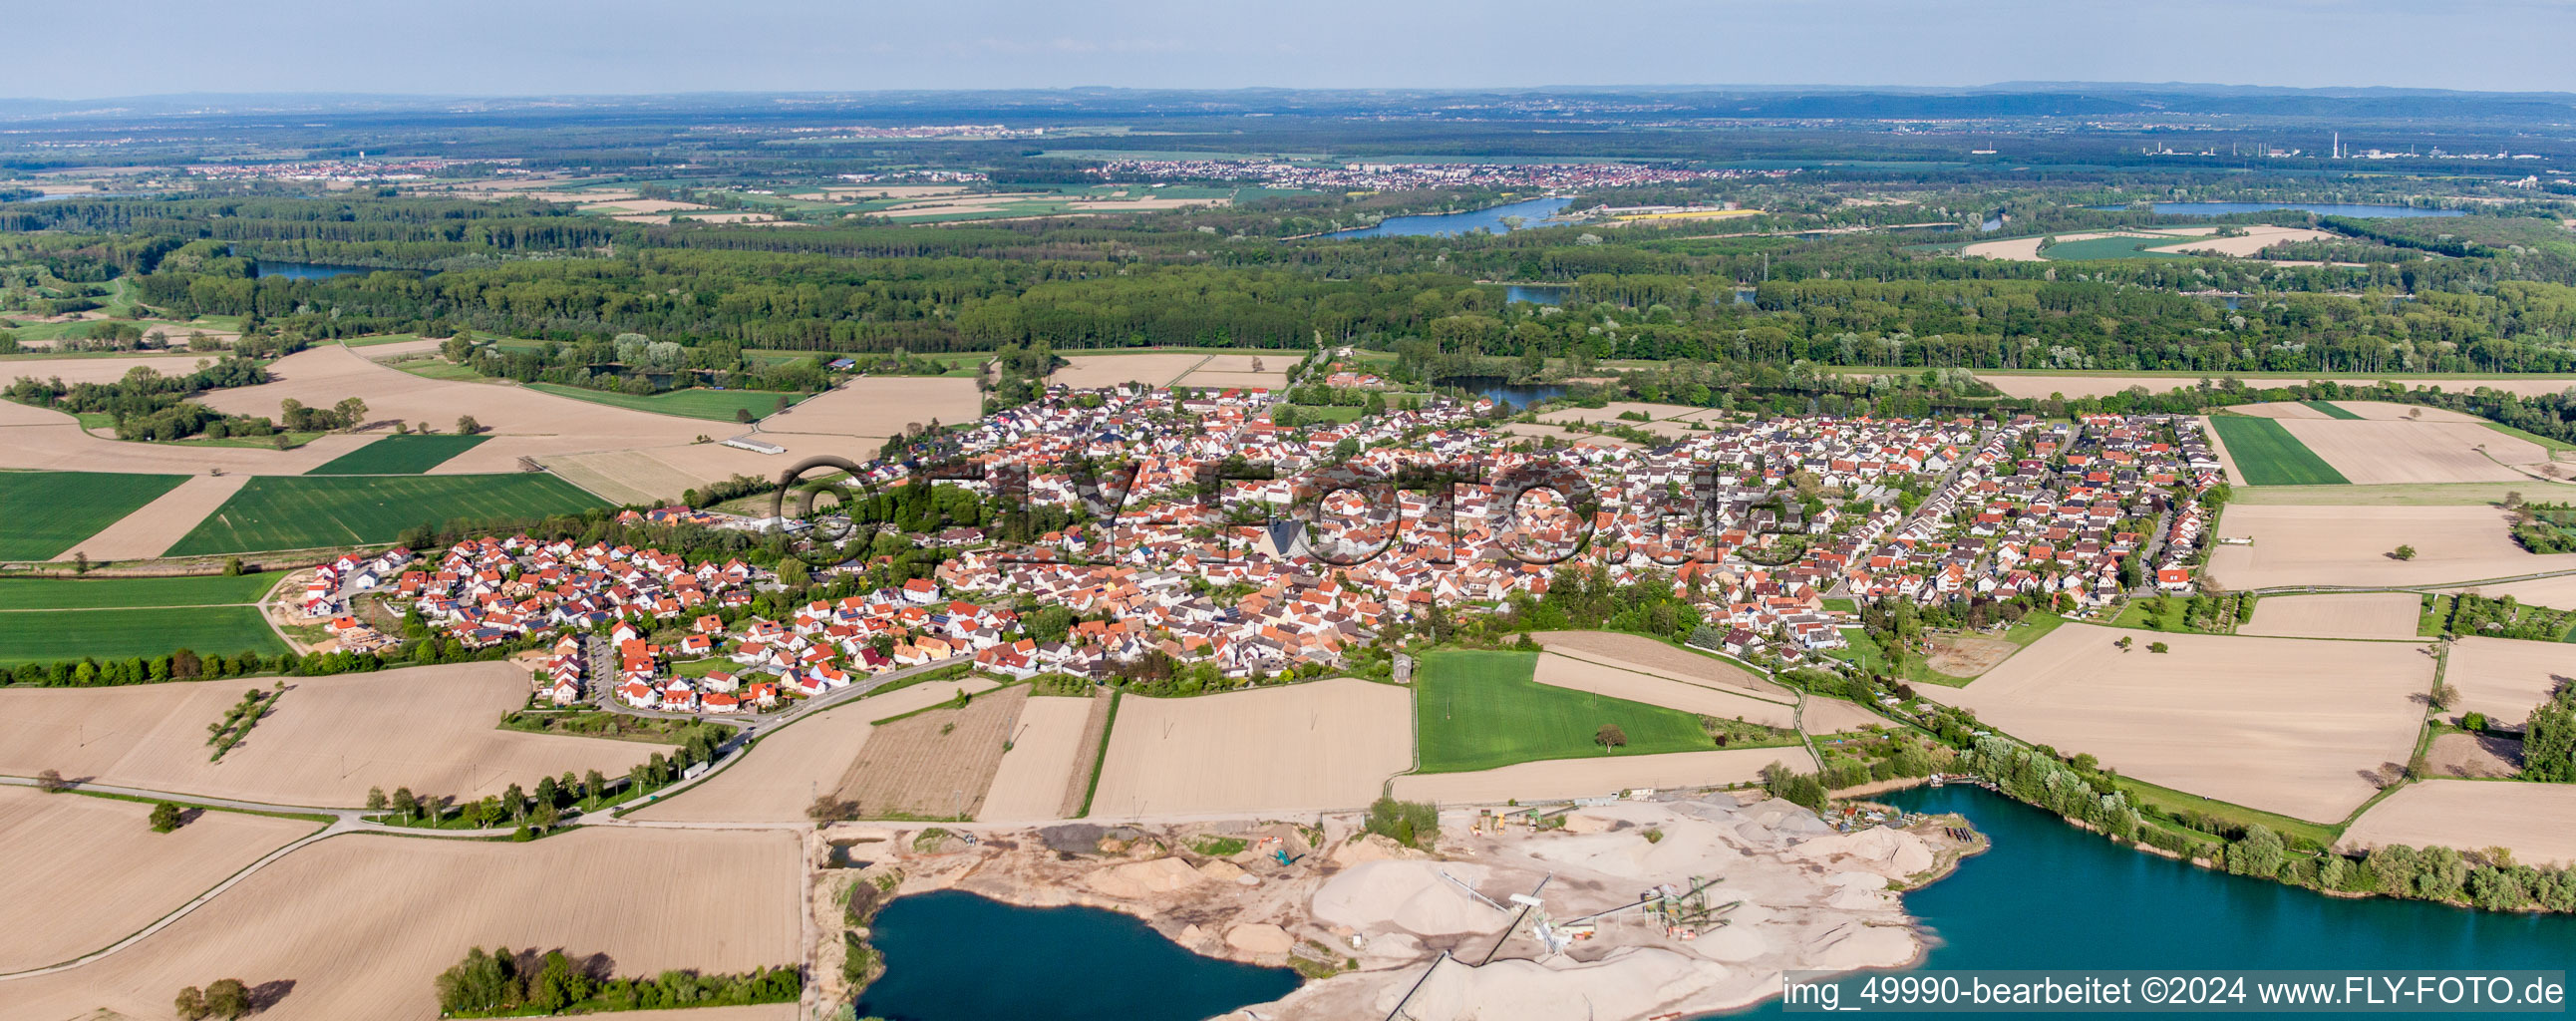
(713, 405)
(46, 636)
(47, 512)
(307, 511)
(123, 593)
(2268, 455)
(1482, 710)
(400, 455)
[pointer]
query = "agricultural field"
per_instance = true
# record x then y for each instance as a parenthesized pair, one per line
(1661, 659)
(51, 512)
(1599, 776)
(2354, 545)
(362, 924)
(305, 512)
(695, 402)
(97, 593)
(2504, 679)
(46, 636)
(2335, 615)
(777, 780)
(880, 406)
(1152, 368)
(1292, 748)
(2391, 452)
(2331, 409)
(400, 455)
(2265, 453)
(1584, 676)
(1483, 710)
(2107, 382)
(934, 764)
(148, 532)
(1036, 778)
(2283, 725)
(433, 729)
(78, 873)
(2536, 820)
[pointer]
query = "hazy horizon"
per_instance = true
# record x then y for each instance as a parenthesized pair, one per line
(484, 48)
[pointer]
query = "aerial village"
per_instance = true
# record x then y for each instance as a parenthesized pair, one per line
(1921, 511)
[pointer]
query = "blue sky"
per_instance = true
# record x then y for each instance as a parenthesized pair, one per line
(512, 47)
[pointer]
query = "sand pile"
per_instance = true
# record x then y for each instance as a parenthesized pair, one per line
(1372, 847)
(1881, 850)
(1141, 879)
(1262, 938)
(1632, 982)
(1407, 896)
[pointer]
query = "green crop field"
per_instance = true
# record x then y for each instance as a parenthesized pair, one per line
(2269, 456)
(47, 512)
(2332, 409)
(1481, 710)
(306, 511)
(400, 455)
(124, 593)
(713, 405)
(50, 635)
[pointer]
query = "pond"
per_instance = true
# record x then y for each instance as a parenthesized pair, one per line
(307, 270)
(953, 956)
(1501, 390)
(2049, 895)
(1537, 294)
(2320, 208)
(1532, 210)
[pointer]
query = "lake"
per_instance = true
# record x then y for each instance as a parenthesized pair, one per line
(1501, 390)
(2049, 895)
(953, 956)
(1537, 294)
(1532, 210)
(307, 270)
(2319, 208)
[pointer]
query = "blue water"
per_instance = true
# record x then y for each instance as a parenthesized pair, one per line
(1538, 294)
(1532, 210)
(954, 956)
(2049, 895)
(307, 270)
(1502, 390)
(2319, 208)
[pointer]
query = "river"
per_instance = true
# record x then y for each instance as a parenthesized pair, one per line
(1531, 210)
(2049, 895)
(953, 956)
(2320, 208)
